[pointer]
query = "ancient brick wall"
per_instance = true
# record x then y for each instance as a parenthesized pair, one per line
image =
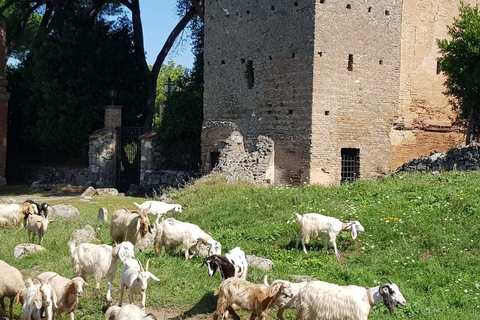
(258, 76)
(423, 121)
(355, 92)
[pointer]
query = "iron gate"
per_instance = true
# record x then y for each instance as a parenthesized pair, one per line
(128, 156)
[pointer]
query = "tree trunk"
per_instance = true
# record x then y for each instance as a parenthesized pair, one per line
(469, 129)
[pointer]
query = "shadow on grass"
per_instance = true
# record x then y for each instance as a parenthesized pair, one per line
(206, 305)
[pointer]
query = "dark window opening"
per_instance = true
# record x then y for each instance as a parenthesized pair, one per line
(327, 113)
(214, 158)
(350, 62)
(387, 13)
(269, 57)
(380, 62)
(269, 112)
(350, 165)
(249, 74)
(369, 9)
(320, 53)
(322, 1)
(295, 4)
(272, 8)
(439, 67)
(223, 61)
(290, 111)
(242, 60)
(349, 6)
(293, 55)
(248, 11)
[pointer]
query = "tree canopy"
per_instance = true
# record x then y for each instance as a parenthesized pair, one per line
(460, 62)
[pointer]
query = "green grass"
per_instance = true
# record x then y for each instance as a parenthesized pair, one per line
(422, 232)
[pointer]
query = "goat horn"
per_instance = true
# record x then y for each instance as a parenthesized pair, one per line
(48, 280)
(146, 266)
(39, 280)
(150, 315)
(387, 280)
(140, 262)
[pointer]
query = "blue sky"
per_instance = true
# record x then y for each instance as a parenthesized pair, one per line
(159, 17)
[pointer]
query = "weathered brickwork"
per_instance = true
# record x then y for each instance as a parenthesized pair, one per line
(319, 76)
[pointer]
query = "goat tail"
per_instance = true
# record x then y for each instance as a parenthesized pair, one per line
(137, 205)
(265, 280)
(112, 312)
(158, 242)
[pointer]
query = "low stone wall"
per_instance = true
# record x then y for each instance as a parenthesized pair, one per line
(102, 160)
(153, 174)
(39, 175)
(461, 159)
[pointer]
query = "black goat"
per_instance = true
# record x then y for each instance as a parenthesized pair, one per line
(41, 208)
(216, 262)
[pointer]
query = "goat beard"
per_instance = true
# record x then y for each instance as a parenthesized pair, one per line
(389, 304)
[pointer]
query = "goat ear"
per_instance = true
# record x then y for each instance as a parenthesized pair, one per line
(38, 302)
(151, 275)
(353, 231)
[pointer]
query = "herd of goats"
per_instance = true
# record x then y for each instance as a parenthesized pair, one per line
(49, 293)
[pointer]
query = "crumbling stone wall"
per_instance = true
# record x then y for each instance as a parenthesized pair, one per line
(461, 159)
(102, 160)
(258, 76)
(240, 165)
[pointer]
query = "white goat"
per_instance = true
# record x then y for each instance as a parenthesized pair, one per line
(13, 214)
(67, 292)
(158, 208)
(172, 233)
(39, 297)
(313, 224)
(283, 302)
(135, 278)
(11, 286)
(127, 312)
(99, 260)
(129, 225)
(237, 294)
(37, 225)
(323, 300)
(234, 264)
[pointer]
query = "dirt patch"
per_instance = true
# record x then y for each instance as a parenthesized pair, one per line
(427, 255)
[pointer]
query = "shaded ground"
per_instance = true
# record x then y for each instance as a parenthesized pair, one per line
(20, 193)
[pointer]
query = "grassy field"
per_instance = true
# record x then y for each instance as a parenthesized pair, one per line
(422, 231)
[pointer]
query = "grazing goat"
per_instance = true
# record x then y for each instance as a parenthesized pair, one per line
(234, 264)
(13, 214)
(323, 300)
(129, 225)
(68, 292)
(99, 260)
(37, 225)
(40, 300)
(135, 279)
(242, 295)
(11, 286)
(312, 224)
(172, 233)
(158, 208)
(41, 208)
(127, 312)
(283, 302)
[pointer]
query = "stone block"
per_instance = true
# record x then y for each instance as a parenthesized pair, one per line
(103, 214)
(23, 250)
(64, 211)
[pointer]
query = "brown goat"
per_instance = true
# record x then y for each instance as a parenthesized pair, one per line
(130, 225)
(235, 293)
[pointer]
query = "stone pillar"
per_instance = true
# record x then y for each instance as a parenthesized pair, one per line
(4, 97)
(113, 117)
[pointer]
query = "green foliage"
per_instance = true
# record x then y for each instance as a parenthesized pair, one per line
(421, 232)
(60, 90)
(181, 125)
(168, 71)
(460, 62)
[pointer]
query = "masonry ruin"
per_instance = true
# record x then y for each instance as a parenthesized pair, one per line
(343, 89)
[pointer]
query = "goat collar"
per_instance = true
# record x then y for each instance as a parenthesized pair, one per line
(204, 240)
(369, 297)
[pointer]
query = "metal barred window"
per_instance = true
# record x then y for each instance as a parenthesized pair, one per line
(350, 164)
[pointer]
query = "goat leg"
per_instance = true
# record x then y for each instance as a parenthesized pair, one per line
(11, 309)
(121, 295)
(233, 313)
(2, 304)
